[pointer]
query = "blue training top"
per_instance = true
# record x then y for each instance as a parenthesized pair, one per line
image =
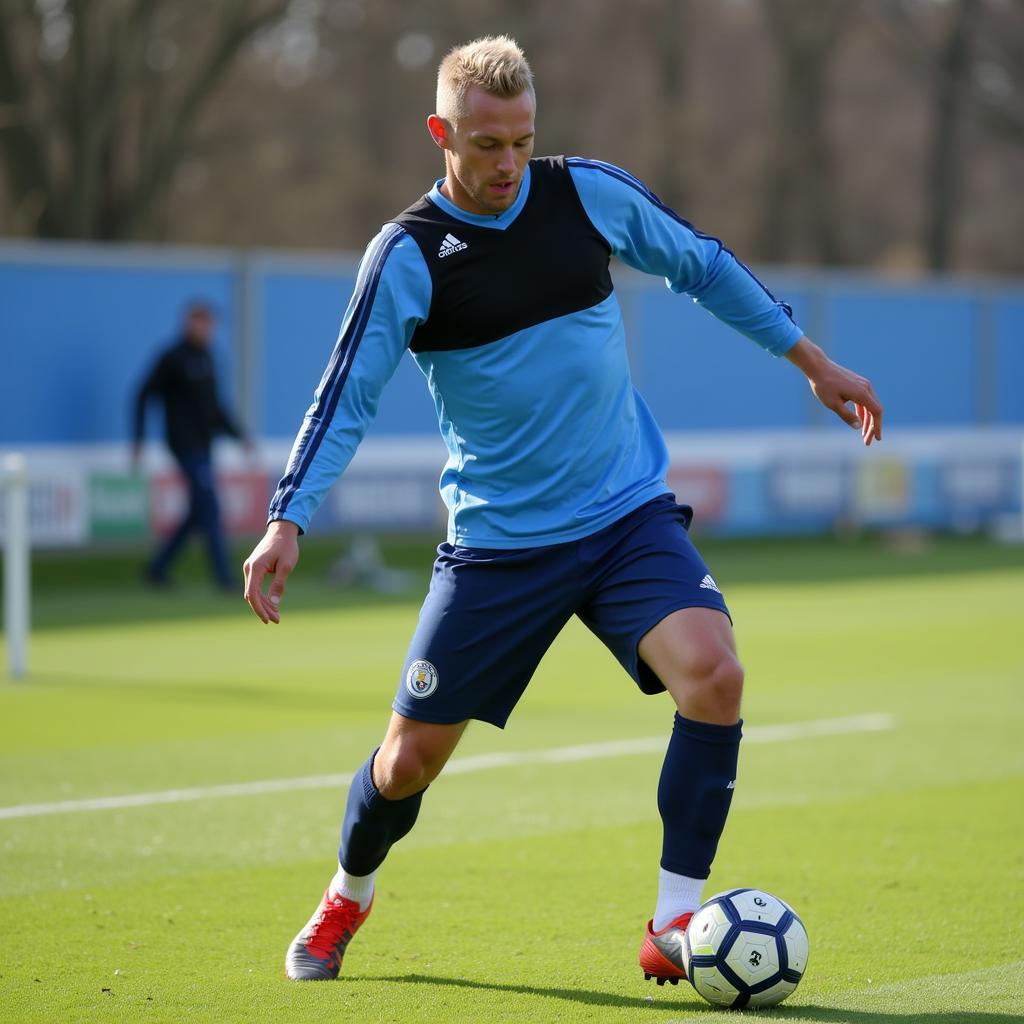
(513, 321)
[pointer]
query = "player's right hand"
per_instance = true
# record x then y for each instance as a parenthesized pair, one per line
(276, 553)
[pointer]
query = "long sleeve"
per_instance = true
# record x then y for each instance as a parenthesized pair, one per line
(391, 296)
(151, 387)
(226, 423)
(645, 234)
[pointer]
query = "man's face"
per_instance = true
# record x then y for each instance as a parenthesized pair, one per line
(198, 328)
(488, 150)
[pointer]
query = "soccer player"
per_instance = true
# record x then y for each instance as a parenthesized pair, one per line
(498, 282)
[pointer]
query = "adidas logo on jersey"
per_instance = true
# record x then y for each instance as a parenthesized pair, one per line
(449, 245)
(709, 584)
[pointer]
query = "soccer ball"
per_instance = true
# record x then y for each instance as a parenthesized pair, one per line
(745, 947)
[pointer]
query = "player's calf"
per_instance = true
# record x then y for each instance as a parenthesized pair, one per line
(383, 804)
(693, 653)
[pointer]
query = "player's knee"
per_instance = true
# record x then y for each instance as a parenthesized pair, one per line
(710, 682)
(724, 684)
(404, 768)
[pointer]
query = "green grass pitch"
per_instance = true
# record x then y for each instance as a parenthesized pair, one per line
(523, 891)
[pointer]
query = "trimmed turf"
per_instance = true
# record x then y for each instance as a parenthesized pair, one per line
(522, 893)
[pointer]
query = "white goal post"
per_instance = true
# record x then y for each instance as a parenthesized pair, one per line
(14, 481)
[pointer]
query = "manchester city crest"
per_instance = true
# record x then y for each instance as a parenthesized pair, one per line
(421, 679)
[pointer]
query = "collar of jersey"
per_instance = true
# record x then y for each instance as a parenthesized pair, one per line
(500, 221)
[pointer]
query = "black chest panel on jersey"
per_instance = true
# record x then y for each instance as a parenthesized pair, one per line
(549, 262)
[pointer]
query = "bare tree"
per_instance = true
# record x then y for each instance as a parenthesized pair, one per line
(969, 53)
(92, 126)
(800, 181)
(947, 159)
(942, 41)
(673, 41)
(886, 131)
(998, 79)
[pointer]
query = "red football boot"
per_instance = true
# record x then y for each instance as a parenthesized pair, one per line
(317, 951)
(661, 955)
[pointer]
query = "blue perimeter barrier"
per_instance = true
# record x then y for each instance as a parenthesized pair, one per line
(81, 324)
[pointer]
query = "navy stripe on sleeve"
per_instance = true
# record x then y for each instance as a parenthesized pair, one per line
(337, 371)
(626, 178)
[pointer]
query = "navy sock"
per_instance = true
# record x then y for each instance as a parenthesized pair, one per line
(695, 792)
(373, 824)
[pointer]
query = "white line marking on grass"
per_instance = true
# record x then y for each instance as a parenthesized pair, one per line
(459, 766)
(952, 990)
(988, 994)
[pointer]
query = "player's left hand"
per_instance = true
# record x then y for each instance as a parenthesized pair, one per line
(836, 388)
(849, 395)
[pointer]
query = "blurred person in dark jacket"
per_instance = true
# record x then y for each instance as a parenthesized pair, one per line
(183, 379)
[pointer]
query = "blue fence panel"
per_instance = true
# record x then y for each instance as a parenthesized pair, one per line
(81, 325)
(1008, 386)
(916, 344)
(78, 339)
(302, 312)
(698, 374)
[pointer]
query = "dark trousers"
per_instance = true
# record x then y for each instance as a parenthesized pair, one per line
(203, 516)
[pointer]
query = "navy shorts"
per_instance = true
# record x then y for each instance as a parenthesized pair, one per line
(490, 616)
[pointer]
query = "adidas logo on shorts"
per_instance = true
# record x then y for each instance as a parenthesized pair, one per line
(451, 244)
(709, 584)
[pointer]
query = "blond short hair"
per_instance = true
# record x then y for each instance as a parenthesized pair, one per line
(495, 63)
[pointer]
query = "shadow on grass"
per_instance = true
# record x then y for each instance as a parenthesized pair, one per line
(678, 1007)
(571, 995)
(827, 1013)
